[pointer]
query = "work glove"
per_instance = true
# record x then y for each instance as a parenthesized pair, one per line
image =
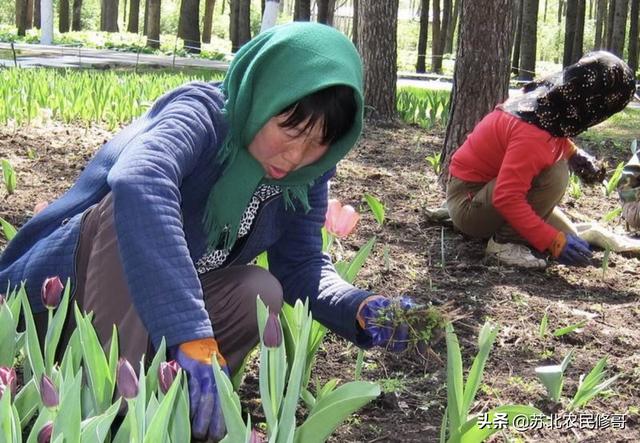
(585, 166)
(376, 316)
(194, 357)
(570, 249)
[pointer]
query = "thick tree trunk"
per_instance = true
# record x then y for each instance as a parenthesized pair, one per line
(76, 19)
(244, 22)
(451, 29)
(619, 27)
(189, 25)
(529, 42)
(21, 16)
(36, 14)
(354, 24)
(109, 15)
(436, 54)
(515, 59)
(447, 10)
(302, 11)
(601, 15)
(484, 52)
(561, 10)
(63, 24)
(207, 22)
(152, 23)
(578, 39)
(30, 14)
(326, 10)
(134, 16)
(632, 51)
(423, 34)
(609, 25)
(377, 34)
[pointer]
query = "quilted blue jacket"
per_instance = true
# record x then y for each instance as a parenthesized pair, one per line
(159, 170)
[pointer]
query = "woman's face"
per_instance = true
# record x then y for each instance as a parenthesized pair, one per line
(282, 150)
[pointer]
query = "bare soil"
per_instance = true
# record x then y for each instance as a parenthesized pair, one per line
(434, 264)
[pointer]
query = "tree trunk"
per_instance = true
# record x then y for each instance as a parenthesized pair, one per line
(326, 10)
(207, 23)
(570, 32)
(29, 14)
(619, 27)
(189, 25)
(560, 10)
(63, 24)
(451, 29)
(601, 14)
(377, 34)
(436, 54)
(134, 16)
(515, 59)
(234, 8)
(21, 16)
(632, 52)
(244, 22)
(609, 26)
(423, 33)
(76, 16)
(484, 52)
(546, 6)
(109, 15)
(302, 11)
(578, 40)
(529, 43)
(447, 10)
(36, 14)
(354, 23)
(153, 23)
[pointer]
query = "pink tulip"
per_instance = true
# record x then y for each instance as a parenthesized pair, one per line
(51, 292)
(9, 380)
(340, 220)
(39, 207)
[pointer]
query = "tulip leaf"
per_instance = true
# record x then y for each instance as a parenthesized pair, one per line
(114, 351)
(180, 426)
(563, 331)
(230, 403)
(8, 336)
(54, 330)
(455, 393)
(592, 385)
(9, 176)
(96, 429)
(152, 372)
(27, 402)
(376, 207)
(358, 261)
(152, 407)
(67, 421)
(331, 410)
(6, 418)
(44, 416)
(471, 432)
(8, 229)
(34, 353)
(486, 338)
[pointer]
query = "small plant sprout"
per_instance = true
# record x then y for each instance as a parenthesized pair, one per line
(377, 207)
(575, 188)
(611, 184)
(435, 161)
(605, 261)
(552, 376)
(8, 176)
(544, 325)
(567, 329)
(614, 213)
(8, 229)
(591, 385)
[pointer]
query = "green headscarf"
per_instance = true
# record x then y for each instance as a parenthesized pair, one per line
(271, 72)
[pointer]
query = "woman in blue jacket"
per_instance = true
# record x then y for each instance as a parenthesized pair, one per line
(157, 232)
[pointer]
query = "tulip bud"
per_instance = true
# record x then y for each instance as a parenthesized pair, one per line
(255, 437)
(2, 299)
(48, 393)
(44, 436)
(9, 380)
(51, 292)
(272, 334)
(166, 374)
(126, 379)
(340, 220)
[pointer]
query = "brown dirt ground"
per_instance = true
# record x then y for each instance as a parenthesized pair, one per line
(433, 263)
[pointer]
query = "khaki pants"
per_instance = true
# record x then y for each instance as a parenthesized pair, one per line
(229, 295)
(472, 211)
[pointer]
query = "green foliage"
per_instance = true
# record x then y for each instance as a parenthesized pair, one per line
(8, 229)
(575, 188)
(592, 384)
(377, 208)
(566, 330)
(8, 176)
(424, 107)
(435, 161)
(611, 184)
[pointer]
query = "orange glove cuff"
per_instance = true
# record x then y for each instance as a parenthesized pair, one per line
(558, 244)
(202, 350)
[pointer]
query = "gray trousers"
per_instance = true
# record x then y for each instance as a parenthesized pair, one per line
(101, 287)
(471, 209)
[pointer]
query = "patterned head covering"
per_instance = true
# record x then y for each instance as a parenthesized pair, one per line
(582, 95)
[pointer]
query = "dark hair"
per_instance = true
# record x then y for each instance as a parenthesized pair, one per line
(335, 106)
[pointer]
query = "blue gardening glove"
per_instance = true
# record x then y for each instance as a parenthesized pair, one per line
(570, 249)
(376, 317)
(194, 357)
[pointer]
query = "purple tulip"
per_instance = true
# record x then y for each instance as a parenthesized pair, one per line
(9, 380)
(256, 437)
(166, 374)
(51, 292)
(126, 379)
(272, 334)
(48, 392)
(1, 299)
(44, 436)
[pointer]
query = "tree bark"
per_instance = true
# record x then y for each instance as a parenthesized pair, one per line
(569, 32)
(354, 23)
(377, 34)
(601, 14)
(423, 34)
(239, 28)
(36, 14)
(436, 54)
(63, 24)
(153, 23)
(244, 22)
(134, 16)
(207, 23)
(76, 16)
(632, 51)
(529, 42)
(619, 27)
(484, 52)
(302, 11)
(21, 17)
(609, 25)
(578, 39)
(30, 14)
(515, 59)
(447, 10)
(189, 25)
(451, 29)
(109, 15)
(326, 10)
